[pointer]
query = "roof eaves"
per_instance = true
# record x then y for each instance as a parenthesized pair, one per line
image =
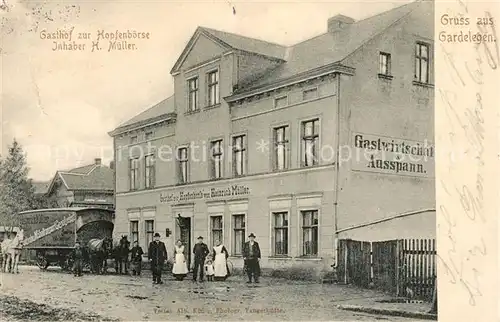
(171, 116)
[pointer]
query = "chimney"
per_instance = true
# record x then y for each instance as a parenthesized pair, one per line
(97, 161)
(112, 165)
(338, 22)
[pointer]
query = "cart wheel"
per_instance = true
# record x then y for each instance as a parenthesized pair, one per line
(42, 262)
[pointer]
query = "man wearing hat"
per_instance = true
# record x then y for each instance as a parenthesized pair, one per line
(251, 256)
(157, 254)
(200, 252)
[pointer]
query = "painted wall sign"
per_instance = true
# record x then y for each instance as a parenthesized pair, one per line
(397, 156)
(205, 194)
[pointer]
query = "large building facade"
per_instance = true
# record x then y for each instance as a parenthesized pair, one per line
(302, 145)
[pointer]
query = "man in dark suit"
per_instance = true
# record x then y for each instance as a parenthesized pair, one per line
(200, 252)
(251, 256)
(157, 254)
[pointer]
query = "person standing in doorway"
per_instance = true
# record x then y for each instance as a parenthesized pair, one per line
(251, 257)
(136, 258)
(200, 252)
(157, 254)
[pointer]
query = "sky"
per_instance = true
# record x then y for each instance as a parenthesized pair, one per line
(60, 105)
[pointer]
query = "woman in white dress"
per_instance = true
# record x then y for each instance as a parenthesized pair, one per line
(180, 268)
(220, 256)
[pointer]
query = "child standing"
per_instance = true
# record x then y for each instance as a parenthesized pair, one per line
(209, 268)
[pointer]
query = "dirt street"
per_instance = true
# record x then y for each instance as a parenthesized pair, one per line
(53, 295)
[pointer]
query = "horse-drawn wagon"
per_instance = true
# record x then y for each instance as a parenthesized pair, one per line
(50, 234)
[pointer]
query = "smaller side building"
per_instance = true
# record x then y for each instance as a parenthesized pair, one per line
(87, 186)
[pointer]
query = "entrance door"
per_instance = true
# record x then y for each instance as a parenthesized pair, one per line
(184, 224)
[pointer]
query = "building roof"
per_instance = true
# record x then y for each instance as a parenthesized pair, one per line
(163, 110)
(95, 177)
(40, 187)
(332, 47)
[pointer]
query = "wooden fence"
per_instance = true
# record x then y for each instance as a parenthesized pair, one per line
(405, 268)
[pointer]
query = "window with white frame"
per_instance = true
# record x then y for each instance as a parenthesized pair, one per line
(134, 173)
(310, 238)
(310, 94)
(216, 150)
(281, 147)
(238, 234)
(239, 155)
(193, 94)
(422, 62)
(310, 143)
(150, 176)
(149, 231)
(384, 64)
(134, 230)
(280, 233)
(183, 164)
(216, 229)
(281, 101)
(213, 88)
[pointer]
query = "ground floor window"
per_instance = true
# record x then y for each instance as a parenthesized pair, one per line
(134, 230)
(216, 229)
(238, 234)
(150, 230)
(280, 233)
(309, 232)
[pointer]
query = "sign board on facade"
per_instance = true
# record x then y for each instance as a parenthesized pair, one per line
(374, 153)
(205, 194)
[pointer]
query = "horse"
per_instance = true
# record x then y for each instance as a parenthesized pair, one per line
(121, 252)
(15, 248)
(99, 251)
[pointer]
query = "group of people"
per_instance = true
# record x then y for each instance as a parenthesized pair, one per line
(10, 253)
(212, 264)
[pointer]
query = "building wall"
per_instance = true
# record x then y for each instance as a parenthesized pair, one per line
(391, 109)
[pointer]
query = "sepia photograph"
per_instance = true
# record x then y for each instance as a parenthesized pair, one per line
(218, 160)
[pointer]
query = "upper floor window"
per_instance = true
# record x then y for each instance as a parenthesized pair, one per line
(134, 174)
(149, 171)
(148, 136)
(281, 143)
(213, 88)
(281, 101)
(422, 63)
(183, 159)
(133, 139)
(384, 64)
(310, 143)
(310, 94)
(239, 155)
(216, 164)
(193, 94)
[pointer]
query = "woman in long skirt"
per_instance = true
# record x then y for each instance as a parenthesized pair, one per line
(180, 269)
(220, 256)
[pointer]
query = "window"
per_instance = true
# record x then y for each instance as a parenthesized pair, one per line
(149, 136)
(239, 156)
(182, 157)
(310, 94)
(217, 153)
(384, 64)
(310, 142)
(193, 95)
(239, 234)
(150, 171)
(309, 232)
(280, 233)
(134, 230)
(134, 174)
(216, 227)
(281, 143)
(150, 230)
(213, 88)
(133, 139)
(422, 63)
(281, 101)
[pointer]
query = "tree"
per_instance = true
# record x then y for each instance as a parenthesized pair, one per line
(16, 191)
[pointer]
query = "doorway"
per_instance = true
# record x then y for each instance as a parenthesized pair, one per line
(184, 224)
